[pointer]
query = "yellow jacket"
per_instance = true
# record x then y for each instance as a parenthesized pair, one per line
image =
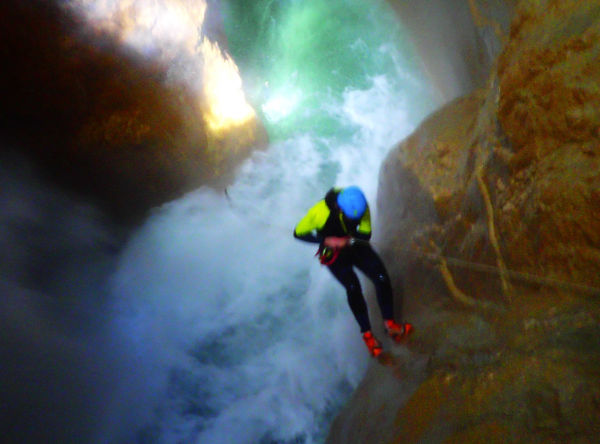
(324, 219)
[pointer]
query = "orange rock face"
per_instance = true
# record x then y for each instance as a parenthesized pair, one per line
(532, 134)
(489, 213)
(549, 109)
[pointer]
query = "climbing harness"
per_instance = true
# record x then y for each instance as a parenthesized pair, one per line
(327, 255)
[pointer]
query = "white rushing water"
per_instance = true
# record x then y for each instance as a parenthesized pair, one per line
(212, 324)
(232, 330)
(247, 336)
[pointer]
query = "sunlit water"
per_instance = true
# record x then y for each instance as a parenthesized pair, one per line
(237, 332)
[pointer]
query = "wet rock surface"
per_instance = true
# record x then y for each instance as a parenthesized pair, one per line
(488, 214)
(101, 121)
(457, 40)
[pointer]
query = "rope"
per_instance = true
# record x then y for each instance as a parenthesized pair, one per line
(502, 271)
(518, 275)
(461, 296)
(492, 233)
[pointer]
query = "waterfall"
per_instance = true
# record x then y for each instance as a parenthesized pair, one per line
(213, 324)
(248, 337)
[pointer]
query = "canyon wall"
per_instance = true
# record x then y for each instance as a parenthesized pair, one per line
(489, 216)
(457, 40)
(102, 121)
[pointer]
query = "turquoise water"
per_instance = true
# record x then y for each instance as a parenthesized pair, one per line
(297, 58)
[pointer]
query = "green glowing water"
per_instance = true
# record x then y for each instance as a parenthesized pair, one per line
(297, 57)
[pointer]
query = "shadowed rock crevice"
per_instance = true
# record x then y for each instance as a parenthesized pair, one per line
(100, 120)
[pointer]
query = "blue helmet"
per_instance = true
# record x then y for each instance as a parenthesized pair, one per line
(352, 202)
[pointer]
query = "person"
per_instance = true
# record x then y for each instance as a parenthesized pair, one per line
(341, 225)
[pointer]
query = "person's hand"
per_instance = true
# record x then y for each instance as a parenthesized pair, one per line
(336, 242)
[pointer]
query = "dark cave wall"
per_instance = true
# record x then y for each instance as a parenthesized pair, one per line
(101, 121)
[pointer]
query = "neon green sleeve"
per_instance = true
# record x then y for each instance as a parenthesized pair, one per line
(314, 219)
(364, 227)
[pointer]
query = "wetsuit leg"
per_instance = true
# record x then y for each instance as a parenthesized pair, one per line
(342, 270)
(369, 262)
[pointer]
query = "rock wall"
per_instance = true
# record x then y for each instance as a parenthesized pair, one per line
(489, 214)
(458, 40)
(101, 121)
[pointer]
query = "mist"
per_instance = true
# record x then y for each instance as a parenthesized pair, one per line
(58, 361)
(207, 322)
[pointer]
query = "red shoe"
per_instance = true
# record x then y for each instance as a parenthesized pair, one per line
(372, 343)
(398, 332)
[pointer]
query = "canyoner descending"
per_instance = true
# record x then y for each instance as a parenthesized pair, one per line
(341, 225)
(242, 340)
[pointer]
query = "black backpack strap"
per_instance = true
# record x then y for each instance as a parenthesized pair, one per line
(331, 198)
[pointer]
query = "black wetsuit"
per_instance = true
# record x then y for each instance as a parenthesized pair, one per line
(360, 255)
